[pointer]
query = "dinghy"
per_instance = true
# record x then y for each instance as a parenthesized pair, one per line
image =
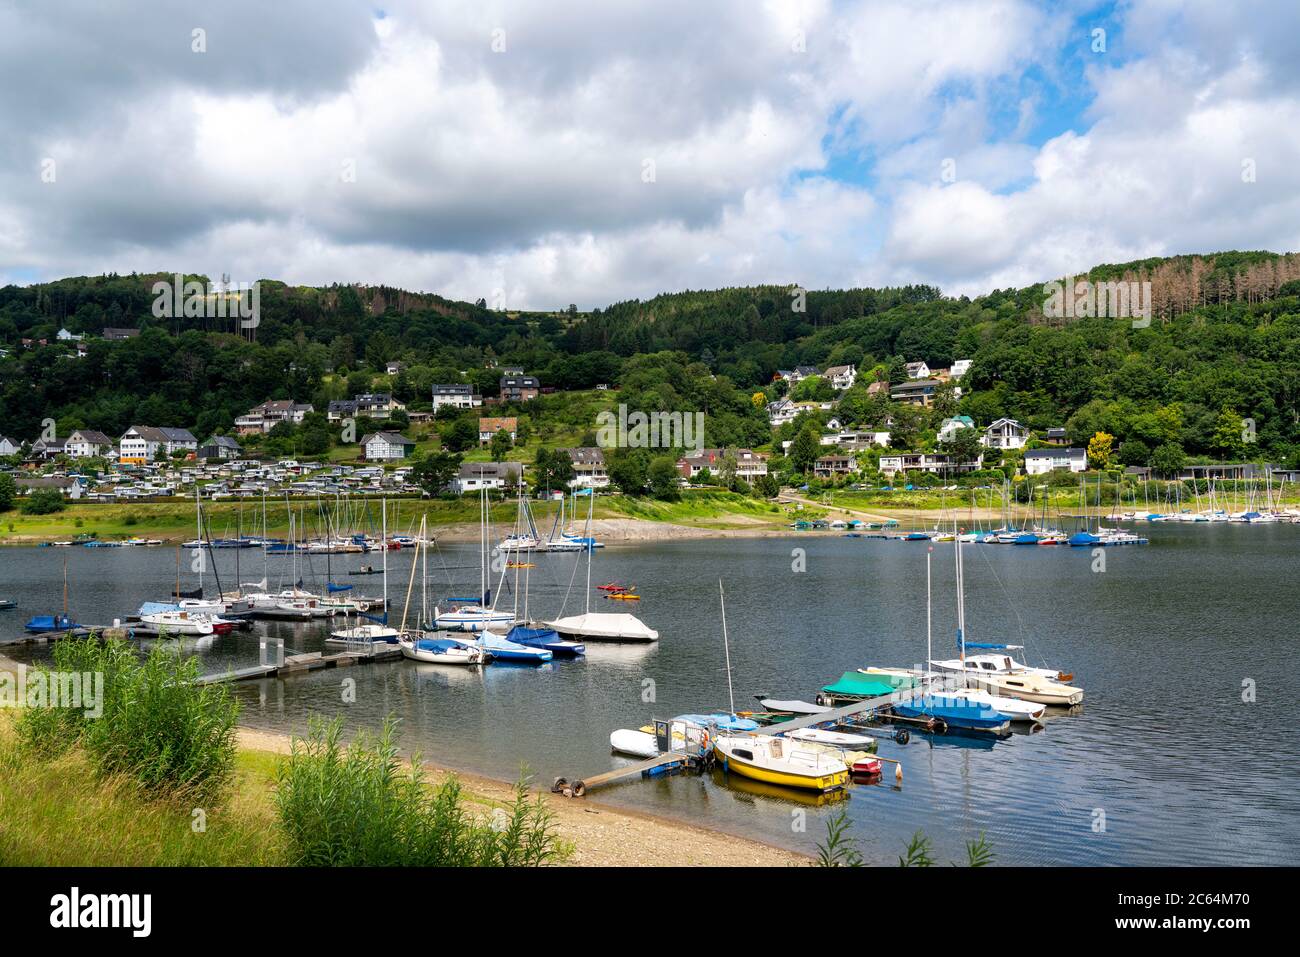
(637, 744)
(178, 623)
(777, 761)
(838, 739)
(791, 707)
(439, 651)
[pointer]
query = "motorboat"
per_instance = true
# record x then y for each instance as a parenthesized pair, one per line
(775, 760)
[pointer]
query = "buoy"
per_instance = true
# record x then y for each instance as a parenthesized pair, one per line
(898, 773)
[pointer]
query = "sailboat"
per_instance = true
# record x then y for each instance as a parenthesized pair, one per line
(376, 628)
(474, 614)
(1026, 685)
(602, 626)
(43, 624)
(526, 633)
(770, 759)
(416, 644)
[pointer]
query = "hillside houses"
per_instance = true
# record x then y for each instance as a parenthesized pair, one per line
(372, 405)
(749, 464)
(490, 426)
(934, 462)
(265, 417)
(516, 387)
(1041, 461)
(842, 377)
(474, 476)
(8, 446)
(588, 468)
(1004, 435)
(386, 447)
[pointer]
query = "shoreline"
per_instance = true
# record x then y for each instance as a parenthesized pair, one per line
(602, 835)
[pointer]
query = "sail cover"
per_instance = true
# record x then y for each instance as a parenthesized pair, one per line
(604, 626)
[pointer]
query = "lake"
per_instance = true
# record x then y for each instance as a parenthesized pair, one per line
(1164, 764)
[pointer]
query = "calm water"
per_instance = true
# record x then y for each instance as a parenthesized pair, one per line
(1184, 771)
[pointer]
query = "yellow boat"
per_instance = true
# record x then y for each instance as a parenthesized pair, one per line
(774, 761)
(623, 596)
(520, 565)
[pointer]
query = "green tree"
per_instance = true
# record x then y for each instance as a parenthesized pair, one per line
(43, 501)
(433, 472)
(500, 445)
(1227, 437)
(628, 470)
(964, 444)
(805, 449)
(460, 435)
(662, 477)
(8, 492)
(1168, 459)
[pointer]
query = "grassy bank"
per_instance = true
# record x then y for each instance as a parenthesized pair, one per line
(174, 521)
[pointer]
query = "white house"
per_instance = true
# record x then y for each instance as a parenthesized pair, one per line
(85, 443)
(474, 476)
(918, 370)
(1005, 434)
(386, 447)
(1039, 461)
(265, 417)
(8, 446)
(842, 377)
(63, 335)
(455, 396)
(951, 427)
(588, 468)
(490, 426)
(856, 438)
(936, 462)
(144, 443)
(749, 464)
(959, 368)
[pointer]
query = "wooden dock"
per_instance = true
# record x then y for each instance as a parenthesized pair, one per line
(649, 767)
(300, 664)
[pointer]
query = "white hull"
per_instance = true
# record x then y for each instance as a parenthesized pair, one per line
(461, 656)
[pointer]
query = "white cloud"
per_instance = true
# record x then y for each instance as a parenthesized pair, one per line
(523, 169)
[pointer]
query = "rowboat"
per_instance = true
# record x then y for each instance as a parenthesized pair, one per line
(637, 744)
(776, 761)
(838, 739)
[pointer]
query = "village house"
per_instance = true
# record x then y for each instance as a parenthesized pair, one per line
(749, 464)
(950, 427)
(1005, 434)
(8, 446)
(490, 426)
(85, 443)
(519, 388)
(874, 388)
(1041, 461)
(386, 447)
(474, 476)
(915, 391)
(66, 485)
(959, 368)
(48, 448)
(63, 335)
(219, 447)
(856, 439)
(373, 405)
(842, 377)
(144, 443)
(934, 462)
(1055, 435)
(588, 468)
(455, 396)
(918, 370)
(828, 466)
(117, 335)
(394, 368)
(265, 417)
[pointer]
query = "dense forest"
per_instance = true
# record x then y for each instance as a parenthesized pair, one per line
(1223, 346)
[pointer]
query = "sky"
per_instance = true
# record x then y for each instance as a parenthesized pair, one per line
(540, 154)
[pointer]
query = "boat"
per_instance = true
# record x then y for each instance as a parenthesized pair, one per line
(503, 649)
(546, 638)
(636, 744)
(623, 596)
(475, 614)
(999, 664)
(366, 570)
(45, 624)
(837, 739)
(178, 623)
(7, 603)
(612, 587)
(776, 706)
(602, 626)
(774, 760)
(855, 686)
(433, 649)
(375, 629)
(1013, 708)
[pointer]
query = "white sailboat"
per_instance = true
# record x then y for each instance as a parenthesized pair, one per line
(470, 614)
(432, 649)
(602, 626)
(373, 631)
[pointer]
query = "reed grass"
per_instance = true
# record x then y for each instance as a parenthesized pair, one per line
(172, 736)
(357, 806)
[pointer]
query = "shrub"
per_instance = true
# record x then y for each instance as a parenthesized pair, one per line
(357, 807)
(43, 501)
(173, 736)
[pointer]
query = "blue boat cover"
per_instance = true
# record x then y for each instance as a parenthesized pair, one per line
(724, 721)
(333, 587)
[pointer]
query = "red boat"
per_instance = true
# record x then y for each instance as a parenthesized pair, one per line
(614, 587)
(866, 766)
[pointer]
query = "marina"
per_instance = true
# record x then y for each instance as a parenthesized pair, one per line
(1129, 636)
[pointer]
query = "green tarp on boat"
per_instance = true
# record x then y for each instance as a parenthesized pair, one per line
(854, 684)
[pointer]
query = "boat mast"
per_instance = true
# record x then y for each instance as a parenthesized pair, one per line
(726, 647)
(591, 507)
(929, 655)
(383, 525)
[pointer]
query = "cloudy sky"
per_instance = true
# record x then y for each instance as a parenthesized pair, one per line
(537, 154)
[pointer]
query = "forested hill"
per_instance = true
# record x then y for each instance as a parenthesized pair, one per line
(1225, 335)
